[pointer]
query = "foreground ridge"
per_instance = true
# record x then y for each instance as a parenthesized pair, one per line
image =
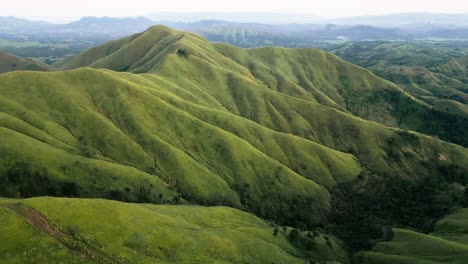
(40, 222)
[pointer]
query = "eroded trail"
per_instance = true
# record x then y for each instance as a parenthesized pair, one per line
(40, 222)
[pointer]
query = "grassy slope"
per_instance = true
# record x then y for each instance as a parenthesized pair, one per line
(127, 54)
(264, 144)
(21, 243)
(9, 62)
(132, 233)
(316, 73)
(447, 244)
(308, 74)
(156, 134)
(142, 132)
(219, 126)
(434, 73)
(242, 95)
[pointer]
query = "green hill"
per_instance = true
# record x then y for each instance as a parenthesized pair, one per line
(289, 135)
(268, 151)
(129, 137)
(48, 230)
(434, 73)
(447, 244)
(9, 62)
(115, 136)
(308, 74)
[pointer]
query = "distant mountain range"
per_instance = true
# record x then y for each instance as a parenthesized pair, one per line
(390, 27)
(249, 17)
(86, 25)
(250, 35)
(406, 19)
(51, 42)
(391, 20)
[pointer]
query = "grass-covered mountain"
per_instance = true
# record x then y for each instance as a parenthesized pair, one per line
(9, 62)
(295, 136)
(448, 243)
(295, 72)
(434, 73)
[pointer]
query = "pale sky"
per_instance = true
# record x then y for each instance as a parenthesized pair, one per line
(75, 9)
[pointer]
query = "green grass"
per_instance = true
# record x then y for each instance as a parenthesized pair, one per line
(9, 62)
(135, 233)
(108, 124)
(218, 126)
(274, 132)
(435, 73)
(447, 244)
(22, 243)
(307, 74)
(140, 132)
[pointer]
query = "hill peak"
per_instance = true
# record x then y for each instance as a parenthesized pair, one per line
(160, 28)
(139, 53)
(10, 62)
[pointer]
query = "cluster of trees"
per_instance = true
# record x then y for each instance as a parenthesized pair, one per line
(363, 210)
(23, 180)
(449, 127)
(183, 53)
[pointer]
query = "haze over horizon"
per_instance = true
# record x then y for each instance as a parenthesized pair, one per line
(56, 10)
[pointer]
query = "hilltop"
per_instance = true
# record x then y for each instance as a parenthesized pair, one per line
(309, 74)
(9, 62)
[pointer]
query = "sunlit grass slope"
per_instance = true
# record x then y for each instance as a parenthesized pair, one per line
(201, 126)
(308, 74)
(164, 117)
(111, 136)
(262, 88)
(135, 137)
(433, 72)
(447, 244)
(97, 230)
(9, 62)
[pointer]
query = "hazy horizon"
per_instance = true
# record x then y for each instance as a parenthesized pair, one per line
(56, 10)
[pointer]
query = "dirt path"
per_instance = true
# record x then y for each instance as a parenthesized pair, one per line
(39, 221)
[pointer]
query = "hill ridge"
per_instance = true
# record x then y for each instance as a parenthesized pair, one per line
(308, 74)
(10, 62)
(295, 136)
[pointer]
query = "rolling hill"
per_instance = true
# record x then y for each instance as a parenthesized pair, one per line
(9, 62)
(288, 135)
(48, 230)
(295, 72)
(434, 73)
(447, 244)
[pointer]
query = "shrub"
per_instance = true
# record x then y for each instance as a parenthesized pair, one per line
(275, 231)
(183, 53)
(72, 230)
(70, 189)
(301, 241)
(23, 179)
